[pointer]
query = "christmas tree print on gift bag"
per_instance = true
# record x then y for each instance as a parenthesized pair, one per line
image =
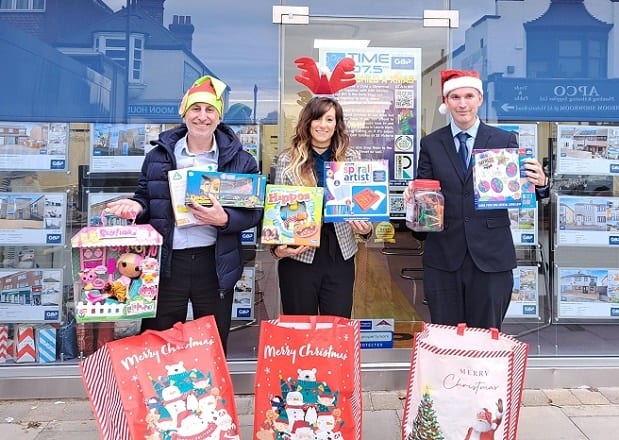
(308, 379)
(464, 384)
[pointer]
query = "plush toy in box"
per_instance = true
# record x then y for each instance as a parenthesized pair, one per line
(116, 272)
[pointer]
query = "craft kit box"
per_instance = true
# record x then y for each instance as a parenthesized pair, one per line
(357, 190)
(115, 272)
(292, 215)
(230, 189)
(496, 178)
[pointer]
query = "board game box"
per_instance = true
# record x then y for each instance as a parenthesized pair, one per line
(357, 190)
(230, 189)
(292, 215)
(496, 178)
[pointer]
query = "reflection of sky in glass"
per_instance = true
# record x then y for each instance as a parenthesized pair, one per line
(237, 40)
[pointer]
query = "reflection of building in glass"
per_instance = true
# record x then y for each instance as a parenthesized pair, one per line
(106, 64)
(553, 65)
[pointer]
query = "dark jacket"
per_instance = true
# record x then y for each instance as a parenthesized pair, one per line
(485, 234)
(153, 193)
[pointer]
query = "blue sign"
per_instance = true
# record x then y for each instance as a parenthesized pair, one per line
(556, 99)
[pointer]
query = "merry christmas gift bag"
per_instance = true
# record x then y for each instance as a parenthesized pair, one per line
(308, 379)
(168, 385)
(464, 384)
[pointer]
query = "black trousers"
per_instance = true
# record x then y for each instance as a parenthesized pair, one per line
(323, 287)
(194, 279)
(480, 299)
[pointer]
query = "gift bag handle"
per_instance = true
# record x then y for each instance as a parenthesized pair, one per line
(494, 332)
(175, 336)
(313, 320)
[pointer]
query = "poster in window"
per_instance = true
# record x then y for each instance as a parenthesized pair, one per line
(34, 146)
(120, 147)
(588, 221)
(244, 292)
(588, 292)
(525, 293)
(30, 295)
(33, 218)
(589, 150)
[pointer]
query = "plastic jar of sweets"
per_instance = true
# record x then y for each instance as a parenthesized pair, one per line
(424, 210)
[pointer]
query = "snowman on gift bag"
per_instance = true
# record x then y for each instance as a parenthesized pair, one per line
(485, 425)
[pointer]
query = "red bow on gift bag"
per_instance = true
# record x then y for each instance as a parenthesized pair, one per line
(170, 384)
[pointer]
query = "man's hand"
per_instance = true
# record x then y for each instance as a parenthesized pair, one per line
(214, 215)
(124, 208)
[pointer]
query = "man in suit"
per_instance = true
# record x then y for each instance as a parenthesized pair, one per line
(468, 265)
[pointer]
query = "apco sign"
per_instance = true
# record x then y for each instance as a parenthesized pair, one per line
(556, 99)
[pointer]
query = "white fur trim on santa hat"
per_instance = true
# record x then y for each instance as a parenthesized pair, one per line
(457, 83)
(462, 81)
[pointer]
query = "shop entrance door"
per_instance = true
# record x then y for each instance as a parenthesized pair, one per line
(393, 103)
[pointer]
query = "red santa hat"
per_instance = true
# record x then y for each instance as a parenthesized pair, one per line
(455, 79)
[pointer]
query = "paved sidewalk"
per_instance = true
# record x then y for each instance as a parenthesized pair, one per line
(552, 414)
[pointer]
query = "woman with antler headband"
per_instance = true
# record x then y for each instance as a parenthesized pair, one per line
(319, 280)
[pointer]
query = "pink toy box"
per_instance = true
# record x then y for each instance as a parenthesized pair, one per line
(116, 272)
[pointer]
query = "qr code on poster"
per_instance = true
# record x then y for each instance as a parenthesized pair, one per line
(397, 208)
(404, 98)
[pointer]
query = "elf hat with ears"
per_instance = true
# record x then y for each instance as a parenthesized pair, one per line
(455, 79)
(206, 89)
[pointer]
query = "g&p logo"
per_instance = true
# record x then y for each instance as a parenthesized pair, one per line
(406, 63)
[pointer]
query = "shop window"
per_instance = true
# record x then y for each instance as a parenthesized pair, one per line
(22, 5)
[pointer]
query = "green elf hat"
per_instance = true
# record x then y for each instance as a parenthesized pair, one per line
(206, 89)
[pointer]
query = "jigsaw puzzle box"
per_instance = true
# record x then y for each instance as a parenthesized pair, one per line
(115, 272)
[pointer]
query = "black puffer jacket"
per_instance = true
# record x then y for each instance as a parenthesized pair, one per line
(153, 194)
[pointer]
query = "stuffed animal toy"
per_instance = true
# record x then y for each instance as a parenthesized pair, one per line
(129, 267)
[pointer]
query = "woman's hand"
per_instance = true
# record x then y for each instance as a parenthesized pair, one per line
(361, 227)
(283, 250)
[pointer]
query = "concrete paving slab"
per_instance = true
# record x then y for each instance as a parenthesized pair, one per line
(561, 397)
(590, 396)
(598, 428)
(381, 425)
(546, 423)
(611, 393)
(16, 431)
(69, 429)
(591, 410)
(534, 398)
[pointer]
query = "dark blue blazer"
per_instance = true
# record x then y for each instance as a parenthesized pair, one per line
(485, 233)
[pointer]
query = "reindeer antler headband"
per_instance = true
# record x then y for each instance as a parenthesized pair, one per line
(319, 82)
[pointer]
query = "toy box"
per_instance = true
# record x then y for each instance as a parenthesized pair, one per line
(230, 189)
(177, 180)
(292, 215)
(115, 272)
(357, 190)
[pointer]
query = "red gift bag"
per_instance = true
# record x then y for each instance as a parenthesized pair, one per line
(308, 379)
(166, 385)
(465, 384)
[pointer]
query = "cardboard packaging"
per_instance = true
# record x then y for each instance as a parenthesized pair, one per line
(116, 272)
(292, 215)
